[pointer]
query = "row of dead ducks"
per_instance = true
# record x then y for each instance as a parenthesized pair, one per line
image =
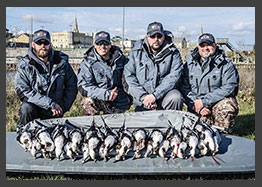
(96, 142)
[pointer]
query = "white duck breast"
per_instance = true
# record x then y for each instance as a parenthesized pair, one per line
(93, 144)
(193, 143)
(85, 151)
(110, 140)
(126, 142)
(26, 140)
(59, 146)
(69, 152)
(182, 150)
(202, 147)
(36, 148)
(76, 138)
(157, 138)
(163, 149)
(149, 149)
(48, 145)
(140, 136)
(59, 136)
(175, 139)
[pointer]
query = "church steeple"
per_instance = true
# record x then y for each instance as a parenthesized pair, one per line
(76, 26)
(201, 30)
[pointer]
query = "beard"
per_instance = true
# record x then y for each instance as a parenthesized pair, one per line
(156, 47)
(42, 53)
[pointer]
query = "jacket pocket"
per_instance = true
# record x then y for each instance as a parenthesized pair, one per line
(142, 73)
(214, 81)
(100, 76)
(193, 82)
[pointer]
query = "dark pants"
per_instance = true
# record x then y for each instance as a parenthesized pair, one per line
(173, 100)
(28, 112)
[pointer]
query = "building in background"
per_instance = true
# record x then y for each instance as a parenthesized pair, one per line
(21, 40)
(181, 43)
(72, 39)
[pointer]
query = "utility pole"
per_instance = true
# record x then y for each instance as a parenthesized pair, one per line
(123, 32)
(31, 30)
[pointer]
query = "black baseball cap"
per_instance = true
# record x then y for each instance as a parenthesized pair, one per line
(154, 28)
(102, 36)
(41, 35)
(206, 38)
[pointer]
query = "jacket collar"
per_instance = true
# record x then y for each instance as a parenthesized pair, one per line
(217, 58)
(94, 56)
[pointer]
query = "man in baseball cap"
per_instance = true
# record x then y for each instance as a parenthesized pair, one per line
(100, 79)
(153, 71)
(210, 84)
(42, 95)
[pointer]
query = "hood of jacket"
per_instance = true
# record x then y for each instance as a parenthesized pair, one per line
(218, 57)
(92, 56)
(168, 43)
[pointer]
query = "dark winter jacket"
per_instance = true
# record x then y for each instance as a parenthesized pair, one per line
(44, 85)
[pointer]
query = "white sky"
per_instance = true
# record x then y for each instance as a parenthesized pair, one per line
(235, 23)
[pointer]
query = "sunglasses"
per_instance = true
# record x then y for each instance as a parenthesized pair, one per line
(39, 42)
(103, 42)
(156, 35)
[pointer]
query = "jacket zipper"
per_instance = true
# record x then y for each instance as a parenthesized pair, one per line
(146, 72)
(208, 83)
(197, 85)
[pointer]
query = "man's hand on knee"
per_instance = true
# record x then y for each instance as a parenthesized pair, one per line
(57, 110)
(149, 101)
(198, 105)
(205, 112)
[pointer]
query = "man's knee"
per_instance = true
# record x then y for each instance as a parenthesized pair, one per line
(27, 108)
(89, 106)
(173, 100)
(27, 113)
(225, 112)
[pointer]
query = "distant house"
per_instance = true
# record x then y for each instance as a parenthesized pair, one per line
(180, 43)
(117, 40)
(128, 44)
(8, 36)
(21, 40)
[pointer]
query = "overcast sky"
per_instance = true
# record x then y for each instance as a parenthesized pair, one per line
(235, 23)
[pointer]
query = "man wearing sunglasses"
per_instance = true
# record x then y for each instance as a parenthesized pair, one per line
(45, 82)
(153, 71)
(100, 78)
(210, 84)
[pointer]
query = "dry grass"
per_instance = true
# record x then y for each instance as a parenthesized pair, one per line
(245, 124)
